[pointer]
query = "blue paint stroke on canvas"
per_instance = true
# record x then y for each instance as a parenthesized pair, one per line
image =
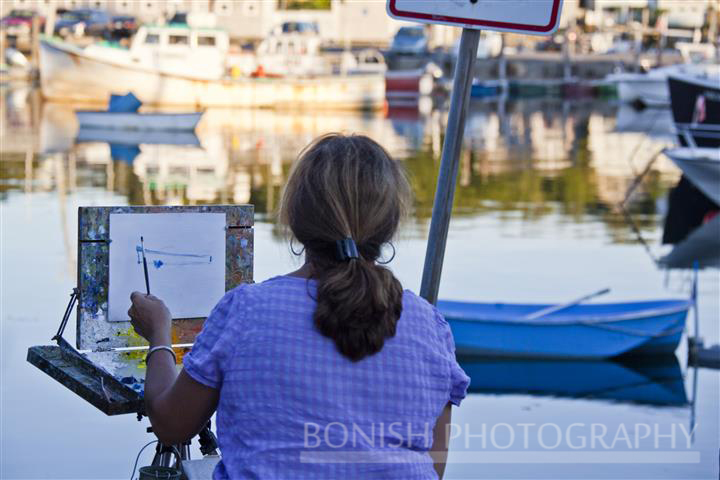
(173, 258)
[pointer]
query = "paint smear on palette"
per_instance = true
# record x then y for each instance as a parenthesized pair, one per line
(129, 367)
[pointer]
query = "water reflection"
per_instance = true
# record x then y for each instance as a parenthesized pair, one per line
(536, 220)
(533, 157)
(701, 246)
(692, 225)
(655, 382)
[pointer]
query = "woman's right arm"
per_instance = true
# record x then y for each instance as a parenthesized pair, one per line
(441, 432)
(458, 384)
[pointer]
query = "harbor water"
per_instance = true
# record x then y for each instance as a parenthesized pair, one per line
(555, 199)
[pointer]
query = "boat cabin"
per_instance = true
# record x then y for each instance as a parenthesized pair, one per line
(181, 49)
(291, 54)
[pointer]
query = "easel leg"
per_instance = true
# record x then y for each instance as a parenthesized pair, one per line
(171, 455)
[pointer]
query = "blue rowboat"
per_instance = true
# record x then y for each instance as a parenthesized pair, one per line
(591, 331)
(658, 381)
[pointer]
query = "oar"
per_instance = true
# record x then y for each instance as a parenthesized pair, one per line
(563, 306)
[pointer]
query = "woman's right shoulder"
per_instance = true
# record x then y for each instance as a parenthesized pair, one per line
(415, 305)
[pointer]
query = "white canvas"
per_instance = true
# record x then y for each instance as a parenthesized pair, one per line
(185, 254)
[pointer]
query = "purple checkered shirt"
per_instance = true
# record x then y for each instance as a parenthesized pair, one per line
(291, 406)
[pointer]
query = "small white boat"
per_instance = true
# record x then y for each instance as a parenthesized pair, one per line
(701, 166)
(138, 121)
(651, 89)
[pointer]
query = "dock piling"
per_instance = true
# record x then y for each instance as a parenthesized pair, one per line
(35, 45)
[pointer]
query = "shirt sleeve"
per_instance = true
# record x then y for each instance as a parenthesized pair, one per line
(459, 381)
(214, 346)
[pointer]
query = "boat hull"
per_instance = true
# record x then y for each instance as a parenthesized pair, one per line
(594, 331)
(701, 166)
(701, 120)
(649, 91)
(67, 74)
(138, 121)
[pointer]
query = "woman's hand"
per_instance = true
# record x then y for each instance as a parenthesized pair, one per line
(150, 318)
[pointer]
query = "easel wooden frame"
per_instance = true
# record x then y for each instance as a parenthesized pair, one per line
(94, 332)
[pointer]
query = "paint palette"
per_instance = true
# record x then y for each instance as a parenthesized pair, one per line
(85, 379)
(210, 245)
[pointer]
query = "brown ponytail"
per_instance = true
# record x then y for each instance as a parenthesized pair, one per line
(348, 186)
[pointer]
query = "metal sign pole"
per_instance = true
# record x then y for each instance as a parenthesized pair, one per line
(445, 191)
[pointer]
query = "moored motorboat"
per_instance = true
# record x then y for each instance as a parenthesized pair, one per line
(182, 65)
(592, 331)
(701, 166)
(695, 102)
(650, 89)
(647, 89)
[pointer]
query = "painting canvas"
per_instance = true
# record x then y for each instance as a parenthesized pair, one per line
(185, 254)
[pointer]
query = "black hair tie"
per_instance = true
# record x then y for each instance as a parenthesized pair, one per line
(346, 249)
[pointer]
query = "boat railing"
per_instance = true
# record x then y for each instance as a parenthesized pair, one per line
(689, 139)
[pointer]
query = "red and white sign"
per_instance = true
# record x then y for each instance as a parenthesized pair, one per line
(534, 17)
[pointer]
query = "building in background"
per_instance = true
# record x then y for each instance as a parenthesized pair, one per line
(688, 14)
(363, 22)
(339, 21)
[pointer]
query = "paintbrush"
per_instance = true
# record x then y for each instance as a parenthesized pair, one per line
(147, 280)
